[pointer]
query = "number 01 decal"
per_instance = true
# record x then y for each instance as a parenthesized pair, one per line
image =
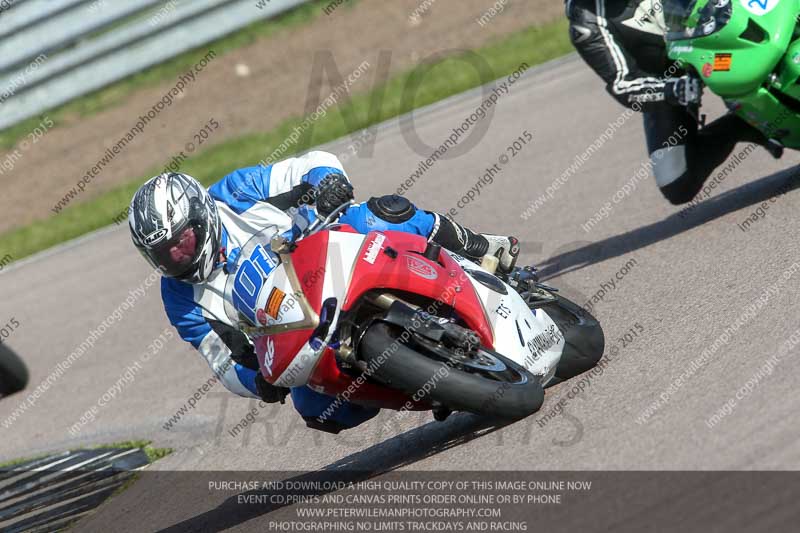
(249, 280)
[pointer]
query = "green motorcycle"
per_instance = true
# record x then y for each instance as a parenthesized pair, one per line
(748, 53)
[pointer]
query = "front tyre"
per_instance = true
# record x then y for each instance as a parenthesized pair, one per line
(13, 372)
(493, 385)
(584, 341)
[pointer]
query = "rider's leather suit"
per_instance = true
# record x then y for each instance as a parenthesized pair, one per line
(623, 42)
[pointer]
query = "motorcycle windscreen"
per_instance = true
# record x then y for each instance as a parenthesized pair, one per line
(690, 19)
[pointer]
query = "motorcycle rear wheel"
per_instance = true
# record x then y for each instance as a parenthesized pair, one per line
(509, 394)
(13, 372)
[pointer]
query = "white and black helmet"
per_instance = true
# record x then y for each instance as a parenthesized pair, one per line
(175, 225)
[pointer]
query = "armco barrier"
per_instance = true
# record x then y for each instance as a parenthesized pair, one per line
(52, 51)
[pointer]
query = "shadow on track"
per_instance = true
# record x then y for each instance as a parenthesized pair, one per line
(746, 195)
(399, 451)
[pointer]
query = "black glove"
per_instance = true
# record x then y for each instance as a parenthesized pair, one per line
(683, 91)
(268, 392)
(332, 191)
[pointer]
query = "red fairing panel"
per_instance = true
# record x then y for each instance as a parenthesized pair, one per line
(444, 281)
(309, 264)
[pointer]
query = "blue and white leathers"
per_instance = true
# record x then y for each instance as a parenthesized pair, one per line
(249, 200)
(364, 220)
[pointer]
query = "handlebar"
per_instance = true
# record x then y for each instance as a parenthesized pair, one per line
(281, 245)
(319, 225)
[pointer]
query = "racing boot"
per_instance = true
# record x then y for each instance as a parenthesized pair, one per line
(474, 246)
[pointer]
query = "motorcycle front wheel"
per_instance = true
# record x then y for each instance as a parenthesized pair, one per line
(486, 384)
(584, 341)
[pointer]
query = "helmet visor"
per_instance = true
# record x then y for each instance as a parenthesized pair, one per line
(177, 257)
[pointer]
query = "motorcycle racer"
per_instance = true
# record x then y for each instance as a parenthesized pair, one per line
(623, 42)
(189, 233)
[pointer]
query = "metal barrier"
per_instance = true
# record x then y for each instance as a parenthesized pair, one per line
(52, 51)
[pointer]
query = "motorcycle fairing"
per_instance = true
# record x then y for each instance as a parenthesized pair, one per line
(345, 266)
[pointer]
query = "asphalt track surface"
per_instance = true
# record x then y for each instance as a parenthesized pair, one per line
(690, 278)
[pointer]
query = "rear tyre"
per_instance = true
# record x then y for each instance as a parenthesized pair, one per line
(13, 372)
(584, 340)
(511, 394)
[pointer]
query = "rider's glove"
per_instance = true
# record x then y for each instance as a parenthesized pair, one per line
(268, 392)
(683, 91)
(332, 191)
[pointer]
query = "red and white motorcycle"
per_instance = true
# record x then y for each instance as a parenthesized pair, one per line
(392, 321)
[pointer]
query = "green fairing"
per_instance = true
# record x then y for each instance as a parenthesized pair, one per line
(763, 40)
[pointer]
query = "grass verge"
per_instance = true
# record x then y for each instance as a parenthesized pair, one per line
(169, 70)
(153, 454)
(445, 77)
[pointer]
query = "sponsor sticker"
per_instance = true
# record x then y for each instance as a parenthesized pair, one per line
(274, 302)
(708, 69)
(374, 248)
(421, 268)
(722, 62)
(269, 355)
(760, 7)
(681, 49)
